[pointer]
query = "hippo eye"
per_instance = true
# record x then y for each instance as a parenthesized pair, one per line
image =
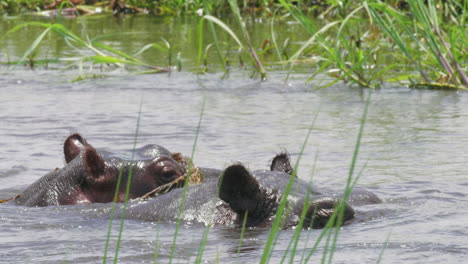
(169, 174)
(166, 170)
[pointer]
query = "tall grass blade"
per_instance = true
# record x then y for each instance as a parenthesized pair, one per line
(201, 248)
(253, 53)
(350, 175)
(379, 259)
(292, 245)
(310, 41)
(388, 26)
(143, 49)
(214, 36)
(117, 52)
(112, 214)
(337, 217)
(327, 244)
(241, 239)
(156, 247)
(20, 26)
(324, 233)
(108, 59)
(305, 246)
(34, 45)
(274, 232)
(127, 189)
(200, 42)
(187, 180)
(273, 37)
(299, 16)
(299, 228)
(222, 25)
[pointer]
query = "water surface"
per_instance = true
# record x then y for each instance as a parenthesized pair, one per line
(413, 153)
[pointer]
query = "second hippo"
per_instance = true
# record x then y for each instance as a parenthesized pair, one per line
(225, 200)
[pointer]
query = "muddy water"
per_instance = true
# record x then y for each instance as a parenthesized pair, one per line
(413, 153)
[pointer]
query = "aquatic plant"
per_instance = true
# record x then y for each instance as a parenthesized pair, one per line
(363, 43)
(104, 54)
(344, 55)
(435, 50)
(366, 58)
(242, 45)
(252, 52)
(165, 47)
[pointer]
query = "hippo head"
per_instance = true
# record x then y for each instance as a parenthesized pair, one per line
(88, 177)
(101, 177)
(258, 194)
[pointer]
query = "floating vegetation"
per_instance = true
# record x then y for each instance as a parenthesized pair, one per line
(437, 86)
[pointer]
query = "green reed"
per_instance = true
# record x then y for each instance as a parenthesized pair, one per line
(243, 228)
(357, 53)
(126, 198)
(111, 217)
(156, 247)
(435, 50)
(104, 54)
(202, 245)
(348, 57)
(329, 233)
(252, 52)
(165, 47)
(186, 183)
(276, 226)
(379, 259)
(300, 227)
(351, 180)
(349, 42)
(211, 21)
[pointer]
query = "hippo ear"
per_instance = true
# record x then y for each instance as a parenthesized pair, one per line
(281, 162)
(93, 163)
(73, 146)
(321, 210)
(240, 189)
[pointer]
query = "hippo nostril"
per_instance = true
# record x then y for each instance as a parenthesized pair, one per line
(322, 210)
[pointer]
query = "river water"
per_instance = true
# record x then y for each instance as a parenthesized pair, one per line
(413, 155)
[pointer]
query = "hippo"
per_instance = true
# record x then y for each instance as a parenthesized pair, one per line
(91, 177)
(237, 192)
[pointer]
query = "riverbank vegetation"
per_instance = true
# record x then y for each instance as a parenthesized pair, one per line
(418, 43)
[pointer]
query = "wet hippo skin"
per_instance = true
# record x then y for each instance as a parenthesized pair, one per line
(224, 200)
(88, 177)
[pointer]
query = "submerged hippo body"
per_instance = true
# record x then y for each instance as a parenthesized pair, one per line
(225, 200)
(88, 177)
